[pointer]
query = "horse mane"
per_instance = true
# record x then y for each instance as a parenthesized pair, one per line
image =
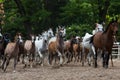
(109, 25)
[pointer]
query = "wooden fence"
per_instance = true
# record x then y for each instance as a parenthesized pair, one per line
(116, 51)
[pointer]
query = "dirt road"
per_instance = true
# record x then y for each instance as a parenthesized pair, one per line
(67, 72)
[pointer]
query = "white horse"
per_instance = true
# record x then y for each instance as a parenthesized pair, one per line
(86, 42)
(50, 33)
(99, 27)
(41, 47)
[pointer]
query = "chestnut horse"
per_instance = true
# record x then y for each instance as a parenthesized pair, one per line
(104, 41)
(56, 48)
(11, 51)
(77, 49)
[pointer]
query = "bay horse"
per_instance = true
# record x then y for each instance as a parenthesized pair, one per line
(104, 41)
(29, 48)
(11, 51)
(56, 48)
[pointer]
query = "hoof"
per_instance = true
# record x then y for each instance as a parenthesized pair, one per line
(106, 66)
(42, 65)
(14, 71)
(61, 65)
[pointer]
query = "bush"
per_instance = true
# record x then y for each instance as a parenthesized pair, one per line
(78, 30)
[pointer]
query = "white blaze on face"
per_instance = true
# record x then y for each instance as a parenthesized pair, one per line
(0, 35)
(20, 39)
(33, 38)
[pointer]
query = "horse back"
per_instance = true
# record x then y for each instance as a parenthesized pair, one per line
(28, 45)
(11, 48)
(66, 45)
(75, 47)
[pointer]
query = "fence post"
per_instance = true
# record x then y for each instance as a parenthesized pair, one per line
(118, 51)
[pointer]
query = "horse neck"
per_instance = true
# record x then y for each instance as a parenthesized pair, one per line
(60, 41)
(109, 34)
(44, 44)
(16, 44)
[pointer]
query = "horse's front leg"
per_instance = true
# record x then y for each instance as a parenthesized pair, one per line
(7, 63)
(15, 63)
(41, 57)
(61, 57)
(106, 56)
(4, 60)
(111, 60)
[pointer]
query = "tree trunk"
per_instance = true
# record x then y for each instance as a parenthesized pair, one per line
(22, 11)
(103, 10)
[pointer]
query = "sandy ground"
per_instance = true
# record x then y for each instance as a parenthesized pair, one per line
(72, 71)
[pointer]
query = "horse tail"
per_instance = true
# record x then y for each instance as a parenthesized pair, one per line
(91, 39)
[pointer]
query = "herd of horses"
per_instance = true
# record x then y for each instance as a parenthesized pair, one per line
(56, 50)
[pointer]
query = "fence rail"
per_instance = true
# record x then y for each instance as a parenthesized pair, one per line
(116, 52)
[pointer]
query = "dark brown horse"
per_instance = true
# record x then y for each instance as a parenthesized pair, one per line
(4, 40)
(104, 41)
(11, 51)
(21, 46)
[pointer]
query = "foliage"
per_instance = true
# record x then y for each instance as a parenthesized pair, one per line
(78, 16)
(76, 12)
(78, 30)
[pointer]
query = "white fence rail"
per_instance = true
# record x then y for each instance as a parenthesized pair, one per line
(116, 52)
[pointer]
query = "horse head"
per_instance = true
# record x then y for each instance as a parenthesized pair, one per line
(18, 38)
(114, 26)
(50, 33)
(78, 39)
(45, 35)
(32, 37)
(62, 31)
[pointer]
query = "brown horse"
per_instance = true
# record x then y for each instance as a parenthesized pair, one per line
(21, 46)
(104, 41)
(67, 50)
(76, 52)
(77, 49)
(56, 48)
(11, 51)
(29, 48)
